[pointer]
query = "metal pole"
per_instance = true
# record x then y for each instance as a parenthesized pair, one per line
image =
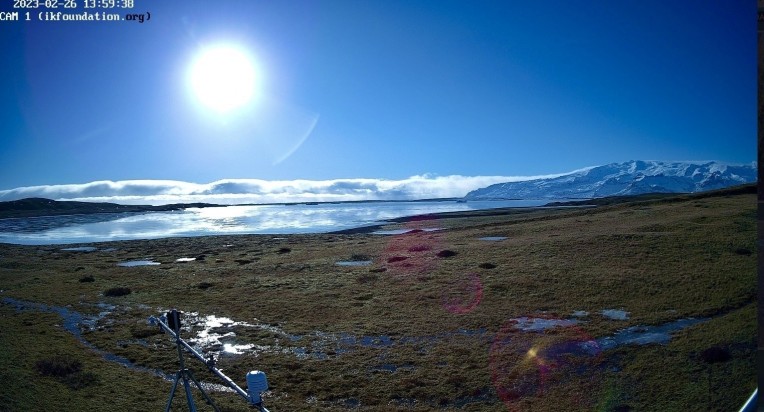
(189, 396)
(172, 392)
(199, 356)
(753, 402)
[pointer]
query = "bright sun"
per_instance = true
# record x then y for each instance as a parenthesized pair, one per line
(223, 78)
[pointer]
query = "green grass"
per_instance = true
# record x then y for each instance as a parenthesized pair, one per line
(660, 260)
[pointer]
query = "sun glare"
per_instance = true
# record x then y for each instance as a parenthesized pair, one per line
(223, 78)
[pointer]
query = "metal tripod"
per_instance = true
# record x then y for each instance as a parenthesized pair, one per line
(185, 374)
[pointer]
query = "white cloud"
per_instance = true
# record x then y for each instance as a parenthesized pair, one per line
(237, 191)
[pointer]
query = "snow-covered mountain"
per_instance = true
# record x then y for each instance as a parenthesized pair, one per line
(622, 179)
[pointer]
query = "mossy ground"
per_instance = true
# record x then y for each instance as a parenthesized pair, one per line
(660, 261)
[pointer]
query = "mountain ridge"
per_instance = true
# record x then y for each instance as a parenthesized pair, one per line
(629, 178)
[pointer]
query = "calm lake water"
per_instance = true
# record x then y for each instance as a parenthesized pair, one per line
(264, 219)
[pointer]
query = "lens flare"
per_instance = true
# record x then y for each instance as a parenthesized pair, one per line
(527, 365)
(413, 253)
(464, 295)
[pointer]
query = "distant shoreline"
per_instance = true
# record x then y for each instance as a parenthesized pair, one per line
(38, 207)
(73, 228)
(503, 211)
(27, 230)
(41, 207)
(584, 203)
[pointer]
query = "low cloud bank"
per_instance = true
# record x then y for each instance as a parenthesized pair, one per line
(237, 191)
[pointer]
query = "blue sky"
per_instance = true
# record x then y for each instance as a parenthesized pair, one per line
(379, 90)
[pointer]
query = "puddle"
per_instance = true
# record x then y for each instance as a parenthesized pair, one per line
(216, 334)
(322, 346)
(539, 324)
(644, 335)
(493, 238)
(391, 232)
(133, 263)
(185, 259)
(353, 263)
(236, 349)
(580, 314)
(615, 314)
(375, 341)
(635, 335)
(80, 249)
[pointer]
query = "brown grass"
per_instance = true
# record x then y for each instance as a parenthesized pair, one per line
(659, 261)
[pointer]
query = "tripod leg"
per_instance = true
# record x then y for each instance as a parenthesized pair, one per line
(204, 394)
(172, 392)
(189, 396)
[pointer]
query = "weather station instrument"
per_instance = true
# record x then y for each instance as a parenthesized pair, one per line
(256, 380)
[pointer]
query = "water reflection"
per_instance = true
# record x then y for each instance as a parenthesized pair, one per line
(539, 324)
(262, 219)
(42, 223)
